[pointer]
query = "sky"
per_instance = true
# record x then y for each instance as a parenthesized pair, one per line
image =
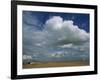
(55, 36)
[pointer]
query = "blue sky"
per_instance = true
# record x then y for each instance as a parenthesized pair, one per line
(82, 20)
(49, 36)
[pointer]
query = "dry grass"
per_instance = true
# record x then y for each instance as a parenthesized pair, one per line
(55, 64)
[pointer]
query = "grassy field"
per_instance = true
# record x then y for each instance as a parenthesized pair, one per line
(55, 64)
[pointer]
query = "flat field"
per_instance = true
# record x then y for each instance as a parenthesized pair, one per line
(55, 64)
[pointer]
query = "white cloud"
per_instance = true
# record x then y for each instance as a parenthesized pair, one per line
(64, 30)
(57, 33)
(66, 46)
(26, 57)
(54, 23)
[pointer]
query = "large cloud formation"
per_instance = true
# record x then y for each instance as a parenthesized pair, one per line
(58, 40)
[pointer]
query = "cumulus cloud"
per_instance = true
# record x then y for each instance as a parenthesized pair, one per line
(64, 31)
(58, 38)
